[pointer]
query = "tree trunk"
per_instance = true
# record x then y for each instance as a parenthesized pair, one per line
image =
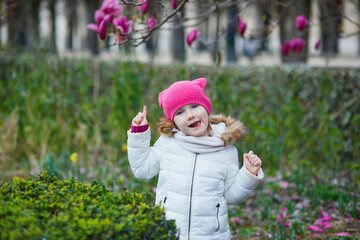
(231, 35)
(16, 22)
(178, 40)
(92, 37)
(330, 17)
(264, 9)
(52, 10)
(71, 7)
(288, 13)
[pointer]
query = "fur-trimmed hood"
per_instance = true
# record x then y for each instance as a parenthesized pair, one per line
(235, 130)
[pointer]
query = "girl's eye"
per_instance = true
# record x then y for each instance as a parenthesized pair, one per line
(194, 106)
(178, 112)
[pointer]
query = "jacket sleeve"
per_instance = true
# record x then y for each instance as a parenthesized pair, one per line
(240, 183)
(144, 160)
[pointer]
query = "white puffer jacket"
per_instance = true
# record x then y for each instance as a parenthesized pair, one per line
(195, 186)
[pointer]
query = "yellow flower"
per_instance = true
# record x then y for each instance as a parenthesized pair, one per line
(74, 157)
(124, 148)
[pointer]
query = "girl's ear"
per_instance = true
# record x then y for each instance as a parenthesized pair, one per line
(201, 82)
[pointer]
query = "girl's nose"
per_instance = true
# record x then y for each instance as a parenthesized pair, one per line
(189, 114)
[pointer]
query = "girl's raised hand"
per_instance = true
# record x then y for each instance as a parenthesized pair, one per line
(252, 162)
(140, 118)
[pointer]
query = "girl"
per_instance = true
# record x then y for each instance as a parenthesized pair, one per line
(196, 161)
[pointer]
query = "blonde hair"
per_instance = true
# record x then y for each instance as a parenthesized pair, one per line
(166, 126)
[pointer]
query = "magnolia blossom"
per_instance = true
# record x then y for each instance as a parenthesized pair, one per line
(241, 26)
(301, 22)
(144, 6)
(109, 10)
(151, 23)
(173, 4)
(285, 48)
(192, 36)
(297, 45)
(123, 25)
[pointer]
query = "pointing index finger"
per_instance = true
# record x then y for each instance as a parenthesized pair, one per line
(145, 111)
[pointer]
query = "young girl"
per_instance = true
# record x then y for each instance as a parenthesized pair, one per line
(196, 161)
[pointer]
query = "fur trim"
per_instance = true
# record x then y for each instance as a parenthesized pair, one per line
(235, 130)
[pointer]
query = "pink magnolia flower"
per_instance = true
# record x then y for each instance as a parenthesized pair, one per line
(315, 228)
(151, 23)
(173, 4)
(241, 26)
(109, 9)
(100, 29)
(111, 6)
(99, 16)
(317, 47)
(343, 234)
(297, 44)
(123, 25)
(192, 36)
(144, 6)
(285, 48)
(301, 22)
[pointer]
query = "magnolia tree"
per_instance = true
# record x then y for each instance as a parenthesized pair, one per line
(134, 22)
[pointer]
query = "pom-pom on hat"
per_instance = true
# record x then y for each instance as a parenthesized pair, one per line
(182, 93)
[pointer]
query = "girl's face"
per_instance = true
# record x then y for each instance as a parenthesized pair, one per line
(192, 120)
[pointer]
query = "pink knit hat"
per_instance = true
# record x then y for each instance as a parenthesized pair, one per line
(181, 93)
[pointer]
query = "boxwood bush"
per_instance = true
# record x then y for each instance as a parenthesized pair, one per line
(44, 207)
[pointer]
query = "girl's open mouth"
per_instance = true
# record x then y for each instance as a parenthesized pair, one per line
(195, 124)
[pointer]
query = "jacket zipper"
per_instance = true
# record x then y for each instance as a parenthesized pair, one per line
(191, 192)
(217, 216)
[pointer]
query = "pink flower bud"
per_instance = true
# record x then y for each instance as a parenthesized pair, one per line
(102, 30)
(173, 4)
(144, 6)
(241, 26)
(151, 23)
(301, 22)
(285, 48)
(192, 36)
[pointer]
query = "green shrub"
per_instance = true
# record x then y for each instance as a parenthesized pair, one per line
(44, 207)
